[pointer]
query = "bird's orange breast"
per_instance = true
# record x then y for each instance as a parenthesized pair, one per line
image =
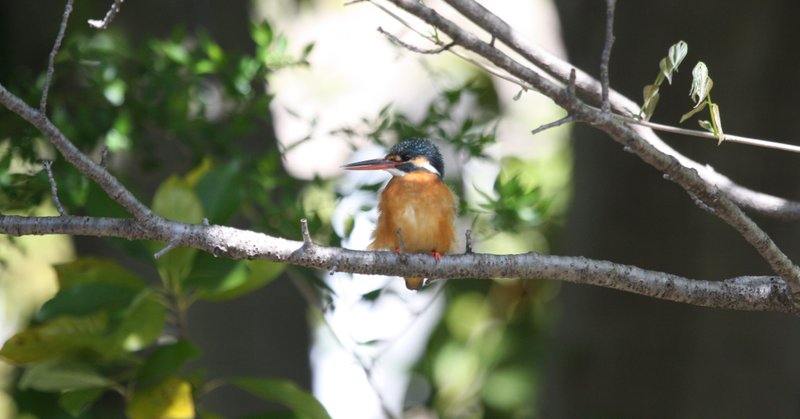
(423, 207)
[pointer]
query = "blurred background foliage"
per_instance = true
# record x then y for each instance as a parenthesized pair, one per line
(173, 117)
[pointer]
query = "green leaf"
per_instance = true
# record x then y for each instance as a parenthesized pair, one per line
(65, 336)
(675, 56)
(708, 126)
(77, 401)
(219, 191)
(167, 360)
(691, 113)
(141, 324)
(701, 83)
(62, 376)
(172, 398)
(261, 33)
(86, 299)
(246, 276)
(716, 121)
(176, 200)
(96, 271)
(651, 96)
(285, 392)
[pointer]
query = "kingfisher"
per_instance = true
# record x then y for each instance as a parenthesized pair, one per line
(416, 208)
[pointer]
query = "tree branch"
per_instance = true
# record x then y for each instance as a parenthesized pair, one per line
(590, 88)
(606, 56)
(110, 15)
(686, 177)
(759, 293)
(52, 59)
(84, 164)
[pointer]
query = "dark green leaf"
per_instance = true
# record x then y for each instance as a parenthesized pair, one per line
(167, 360)
(77, 401)
(86, 299)
(61, 337)
(62, 376)
(285, 392)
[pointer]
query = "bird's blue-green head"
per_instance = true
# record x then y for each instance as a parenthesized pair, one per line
(405, 157)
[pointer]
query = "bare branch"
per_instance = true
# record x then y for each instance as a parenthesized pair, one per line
(53, 187)
(553, 124)
(410, 47)
(763, 293)
(306, 235)
(53, 52)
(606, 57)
(164, 251)
(590, 88)
(84, 164)
(686, 177)
(110, 15)
(104, 157)
(705, 134)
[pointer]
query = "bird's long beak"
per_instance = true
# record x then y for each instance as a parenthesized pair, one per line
(375, 164)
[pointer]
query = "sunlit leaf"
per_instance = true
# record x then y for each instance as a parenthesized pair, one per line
(141, 324)
(701, 83)
(59, 338)
(284, 392)
(675, 56)
(170, 399)
(61, 376)
(261, 33)
(717, 123)
(176, 200)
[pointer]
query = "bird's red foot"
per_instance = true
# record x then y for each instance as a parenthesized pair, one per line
(397, 250)
(437, 255)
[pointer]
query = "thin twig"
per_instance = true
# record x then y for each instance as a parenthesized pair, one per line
(571, 84)
(687, 178)
(705, 134)
(110, 15)
(306, 235)
(468, 241)
(52, 60)
(553, 124)
(111, 185)
(609, 42)
(487, 68)
(104, 157)
(410, 47)
(164, 251)
(53, 187)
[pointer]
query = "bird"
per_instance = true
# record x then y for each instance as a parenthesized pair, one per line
(416, 210)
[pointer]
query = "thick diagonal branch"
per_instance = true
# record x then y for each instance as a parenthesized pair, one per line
(113, 187)
(590, 88)
(684, 176)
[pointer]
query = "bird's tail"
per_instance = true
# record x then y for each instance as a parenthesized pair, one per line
(414, 283)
